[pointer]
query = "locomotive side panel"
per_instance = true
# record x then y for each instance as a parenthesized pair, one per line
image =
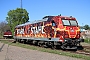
(38, 31)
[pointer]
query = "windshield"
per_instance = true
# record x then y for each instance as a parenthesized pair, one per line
(69, 22)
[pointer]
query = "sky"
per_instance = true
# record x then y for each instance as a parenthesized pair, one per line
(37, 9)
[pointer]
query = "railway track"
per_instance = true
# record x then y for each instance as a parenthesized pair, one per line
(6, 39)
(84, 51)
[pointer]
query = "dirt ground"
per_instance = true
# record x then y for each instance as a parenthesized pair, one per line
(85, 44)
(18, 53)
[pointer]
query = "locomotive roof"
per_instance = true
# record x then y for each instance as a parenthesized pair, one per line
(36, 21)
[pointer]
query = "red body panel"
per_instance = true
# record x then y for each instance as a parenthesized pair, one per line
(8, 33)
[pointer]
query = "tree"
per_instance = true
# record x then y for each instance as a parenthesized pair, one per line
(3, 27)
(86, 27)
(16, 17)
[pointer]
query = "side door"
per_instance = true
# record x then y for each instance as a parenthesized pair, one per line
(53, 30)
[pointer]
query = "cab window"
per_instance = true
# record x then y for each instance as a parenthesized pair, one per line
(66, 22)
(53, 23)
(73, 23)
(70, 22)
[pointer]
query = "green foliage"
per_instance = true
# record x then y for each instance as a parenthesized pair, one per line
(86, 27)
(3, 27)
(87, 40)
(16, 17)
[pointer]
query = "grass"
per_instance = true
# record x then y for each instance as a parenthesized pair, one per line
(87, 40)
(48, 50)
(1, 36)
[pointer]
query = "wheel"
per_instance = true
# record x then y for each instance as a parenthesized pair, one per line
(63, 47)
(24, 41)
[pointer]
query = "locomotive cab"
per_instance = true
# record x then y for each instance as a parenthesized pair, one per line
(71, 29)
(69, 32)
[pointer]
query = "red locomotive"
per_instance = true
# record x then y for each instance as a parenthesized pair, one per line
(51, 31)
(7, 34)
